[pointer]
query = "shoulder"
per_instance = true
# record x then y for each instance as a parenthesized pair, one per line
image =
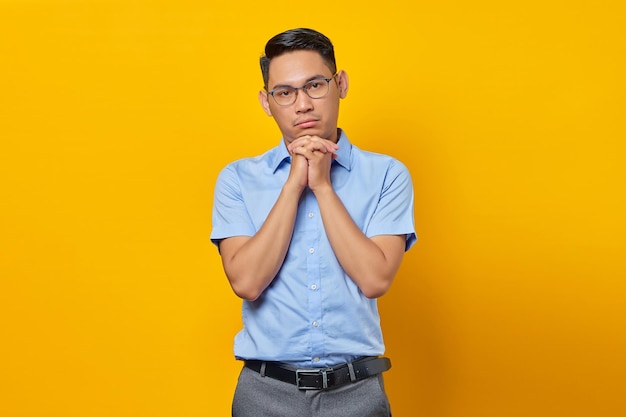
(252, 163)
(374, 159)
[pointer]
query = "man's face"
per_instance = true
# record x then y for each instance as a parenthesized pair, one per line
(306, 116)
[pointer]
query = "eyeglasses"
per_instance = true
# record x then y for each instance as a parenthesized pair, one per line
(317, 88)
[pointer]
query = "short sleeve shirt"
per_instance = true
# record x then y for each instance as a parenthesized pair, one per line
(313, 314)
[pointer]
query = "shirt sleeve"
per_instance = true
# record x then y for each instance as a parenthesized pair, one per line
(394, 212)
(230, 215)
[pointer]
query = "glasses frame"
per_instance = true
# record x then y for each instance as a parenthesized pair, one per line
(303, 88)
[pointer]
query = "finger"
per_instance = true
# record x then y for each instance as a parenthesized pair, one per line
(305, 147)
(304, 140)
(320, 147)
(299, 140)
(300, 150)
(311, 153)
(328, 144)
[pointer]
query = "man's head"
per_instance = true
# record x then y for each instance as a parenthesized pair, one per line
(300, 64)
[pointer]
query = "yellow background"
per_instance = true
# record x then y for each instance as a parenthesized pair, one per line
(116, 116)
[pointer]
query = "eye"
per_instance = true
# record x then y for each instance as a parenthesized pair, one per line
(283, 92)
(314, 85)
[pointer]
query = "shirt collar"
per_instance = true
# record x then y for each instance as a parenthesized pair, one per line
(281, 154)
(343, 153)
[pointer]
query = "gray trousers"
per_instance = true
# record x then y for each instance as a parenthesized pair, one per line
(257, 396)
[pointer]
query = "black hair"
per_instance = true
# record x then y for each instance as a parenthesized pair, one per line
(296, 40)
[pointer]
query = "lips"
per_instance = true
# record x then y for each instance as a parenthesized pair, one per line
(306, 123)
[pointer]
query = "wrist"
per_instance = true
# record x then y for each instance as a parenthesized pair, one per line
(293, 187)
(322, 190)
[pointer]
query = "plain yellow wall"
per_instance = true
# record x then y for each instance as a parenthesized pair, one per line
(116, 116)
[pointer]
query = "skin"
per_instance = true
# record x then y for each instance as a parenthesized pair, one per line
(309, 128)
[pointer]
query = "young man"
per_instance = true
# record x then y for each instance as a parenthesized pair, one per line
(310, 234)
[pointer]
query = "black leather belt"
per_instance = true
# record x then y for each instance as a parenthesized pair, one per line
(321, 378)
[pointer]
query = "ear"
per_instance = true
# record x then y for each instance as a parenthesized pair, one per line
(342, 83)
(265, 102)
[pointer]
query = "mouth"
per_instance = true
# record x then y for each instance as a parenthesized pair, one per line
(306, 123)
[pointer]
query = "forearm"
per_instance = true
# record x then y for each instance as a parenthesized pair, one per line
(251, 263)
(371, 264)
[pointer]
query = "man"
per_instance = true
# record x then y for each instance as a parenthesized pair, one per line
(310, 234)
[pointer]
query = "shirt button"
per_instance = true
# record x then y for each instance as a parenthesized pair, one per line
(311, 250)
(316, 359)
(313, 287)
(311, 215)
(315, 324)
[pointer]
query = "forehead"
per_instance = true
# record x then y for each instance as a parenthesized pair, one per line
(296, 67)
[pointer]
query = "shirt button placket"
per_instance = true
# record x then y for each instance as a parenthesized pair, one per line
(313, 227)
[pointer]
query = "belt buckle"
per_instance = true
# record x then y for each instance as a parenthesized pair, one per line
(310, 372)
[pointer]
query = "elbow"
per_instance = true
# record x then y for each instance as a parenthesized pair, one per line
(246, 292)
(376, 289)
(373, 293)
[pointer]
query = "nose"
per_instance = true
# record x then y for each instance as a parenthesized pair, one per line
(303, 103)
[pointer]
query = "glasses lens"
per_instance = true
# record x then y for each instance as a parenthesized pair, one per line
(285, 95)
(316, 88)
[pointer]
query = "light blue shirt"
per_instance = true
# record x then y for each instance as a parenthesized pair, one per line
(313, 314)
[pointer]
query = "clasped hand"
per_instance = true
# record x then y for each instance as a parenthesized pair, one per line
(311, 158)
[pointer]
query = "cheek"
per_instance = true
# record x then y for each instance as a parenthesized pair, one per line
(281, 119)
(332, 111)
(284, 122)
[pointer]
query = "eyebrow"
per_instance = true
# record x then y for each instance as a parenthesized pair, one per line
(314, 77)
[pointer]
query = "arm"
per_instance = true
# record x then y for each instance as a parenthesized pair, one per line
(252, 262)
(371, 262)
